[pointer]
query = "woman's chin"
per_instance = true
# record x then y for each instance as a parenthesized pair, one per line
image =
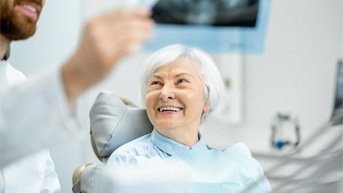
(166, 125)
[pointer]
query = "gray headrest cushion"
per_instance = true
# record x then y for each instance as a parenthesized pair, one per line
(113, 123)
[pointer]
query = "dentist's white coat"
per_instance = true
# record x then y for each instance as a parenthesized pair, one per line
(34, 115)
(34, 173)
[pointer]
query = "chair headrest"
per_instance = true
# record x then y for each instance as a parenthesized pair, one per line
(114, 122)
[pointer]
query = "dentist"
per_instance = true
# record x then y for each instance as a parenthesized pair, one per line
(38, 113)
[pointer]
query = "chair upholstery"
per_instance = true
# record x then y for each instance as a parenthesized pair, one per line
(114, 121)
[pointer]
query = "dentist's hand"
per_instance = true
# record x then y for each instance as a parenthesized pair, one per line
(107, 38)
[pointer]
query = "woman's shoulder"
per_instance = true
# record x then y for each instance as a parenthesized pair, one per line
(129, 151)
(239, 149)
(241, 157)
(134, 145)
(237, 154)
(234, 150)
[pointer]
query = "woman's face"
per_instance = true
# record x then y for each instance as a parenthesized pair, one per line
(175, 98)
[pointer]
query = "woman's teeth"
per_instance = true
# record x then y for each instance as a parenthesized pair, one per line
(175, 109)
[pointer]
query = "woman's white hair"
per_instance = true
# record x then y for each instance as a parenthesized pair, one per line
(211, 78)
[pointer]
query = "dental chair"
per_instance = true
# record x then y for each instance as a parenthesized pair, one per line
(114, 121)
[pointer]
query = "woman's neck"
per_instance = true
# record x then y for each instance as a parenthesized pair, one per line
(182, 136)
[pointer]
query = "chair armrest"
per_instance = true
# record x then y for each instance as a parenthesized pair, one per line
(77, 177)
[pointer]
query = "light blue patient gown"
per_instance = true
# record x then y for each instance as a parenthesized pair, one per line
(233, 170)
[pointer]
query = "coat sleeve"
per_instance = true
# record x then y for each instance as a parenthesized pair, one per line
(50, 183)
(35, 115)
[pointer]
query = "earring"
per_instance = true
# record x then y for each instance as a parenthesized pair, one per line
(204, 115)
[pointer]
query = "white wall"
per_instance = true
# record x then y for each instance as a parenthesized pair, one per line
(56, 37)
(295, 73)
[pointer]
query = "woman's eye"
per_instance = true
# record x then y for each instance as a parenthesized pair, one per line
(181, 81)
(152, 83)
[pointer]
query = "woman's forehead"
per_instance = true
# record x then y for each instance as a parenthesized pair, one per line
(179, 66)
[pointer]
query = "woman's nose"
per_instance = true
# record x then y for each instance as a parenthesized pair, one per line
(167, 93)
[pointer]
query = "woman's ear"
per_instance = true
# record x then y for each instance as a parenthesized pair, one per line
(205, 111)
(206, 108)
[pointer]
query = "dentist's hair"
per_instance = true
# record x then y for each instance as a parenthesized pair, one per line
(210, 76)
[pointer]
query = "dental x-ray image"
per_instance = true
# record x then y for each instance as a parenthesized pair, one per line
(241, 13)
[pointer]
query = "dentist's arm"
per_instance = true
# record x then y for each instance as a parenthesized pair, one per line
(37, 114)
(106, 39)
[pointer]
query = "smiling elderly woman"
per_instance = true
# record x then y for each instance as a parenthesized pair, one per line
(181, 87)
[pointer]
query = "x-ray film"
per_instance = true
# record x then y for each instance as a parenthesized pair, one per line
(217, 26)
(206, 12)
